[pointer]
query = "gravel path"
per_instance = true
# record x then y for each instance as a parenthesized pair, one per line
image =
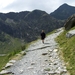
(41, 59)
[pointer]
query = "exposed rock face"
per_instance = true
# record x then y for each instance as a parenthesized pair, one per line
(70, 34)
(70, 22)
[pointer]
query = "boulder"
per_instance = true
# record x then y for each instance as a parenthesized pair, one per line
(70, 34)
(70, 22)
(33, 63)
(51, 73)
(8, 65)
(55, 50)
(21, 71)
(23, 53)
(12, 61)
(44, 53)
(5, 72)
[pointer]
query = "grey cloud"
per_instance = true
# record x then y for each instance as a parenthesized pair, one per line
(19, 5)
(45, 5)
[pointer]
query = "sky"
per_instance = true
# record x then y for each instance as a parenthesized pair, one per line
(30, 5)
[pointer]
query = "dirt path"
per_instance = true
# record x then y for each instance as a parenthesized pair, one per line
(41, 59)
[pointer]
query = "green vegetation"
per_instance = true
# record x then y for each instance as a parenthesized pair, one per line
(10, 47)
(10, 44)
(3, 61)
(51, 32)
(67, 47)
(10, 55)
(26, 24)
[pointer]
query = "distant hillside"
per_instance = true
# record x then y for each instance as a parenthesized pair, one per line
(27, 25)
(63, 12)
(23, 27)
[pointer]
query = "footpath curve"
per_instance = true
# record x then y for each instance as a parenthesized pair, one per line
(41, 59)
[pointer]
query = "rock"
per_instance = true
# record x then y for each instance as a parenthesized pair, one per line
(50, 56)
(57, 72)
(70, 22)
(34, 72)
(44, 53)
(3, 68)
(21, 71)
(8, 65)
(30, 67)
(23, 53)
(46, 60)
(43, 65)
(33, 63)
(70, 34)
(44, 73)
(55, 63)
(51, 73)
(50, 50)
(5, 72)
(47, 69)
(12, 61)
(55, 50)
(18, 54)
(64, 71)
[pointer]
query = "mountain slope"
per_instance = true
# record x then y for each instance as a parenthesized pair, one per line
(67, 48)
(24, 25)
(63, 12)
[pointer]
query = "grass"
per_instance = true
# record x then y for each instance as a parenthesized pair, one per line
(12, 55)
(51, 32)
(67, 46)
(10, 47)
(3, 61)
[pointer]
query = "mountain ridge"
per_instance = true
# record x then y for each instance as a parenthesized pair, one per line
(63, 12)
(29, 21)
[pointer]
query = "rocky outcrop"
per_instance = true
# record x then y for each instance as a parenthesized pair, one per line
(5, 72)
(70, 34)
(70, 22)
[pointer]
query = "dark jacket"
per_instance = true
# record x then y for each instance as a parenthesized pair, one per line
(43, 35)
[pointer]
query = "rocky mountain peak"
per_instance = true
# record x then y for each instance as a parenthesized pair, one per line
(63, 12)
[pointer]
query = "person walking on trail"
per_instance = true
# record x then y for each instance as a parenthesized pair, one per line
(43, 35)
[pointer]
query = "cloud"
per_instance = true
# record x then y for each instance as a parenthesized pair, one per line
(4, 3)
(22, 5)
(29, 5)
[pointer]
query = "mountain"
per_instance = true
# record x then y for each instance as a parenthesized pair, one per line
(24, 25)
(63, 12)
(27, 25)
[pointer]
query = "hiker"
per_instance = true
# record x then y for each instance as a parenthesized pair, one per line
(43, 35)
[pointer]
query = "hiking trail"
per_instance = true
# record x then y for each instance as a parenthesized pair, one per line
(41, 59)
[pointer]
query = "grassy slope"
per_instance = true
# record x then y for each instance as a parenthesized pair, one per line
(3, 61)
(67, 46)
(10, 47)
